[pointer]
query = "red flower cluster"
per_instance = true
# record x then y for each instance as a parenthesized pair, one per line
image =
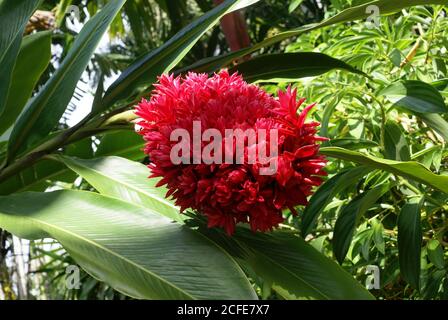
(231, 193)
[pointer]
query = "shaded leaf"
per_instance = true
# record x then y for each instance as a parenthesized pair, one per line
(395, 144)
(326, 193)
(123, 179)
(350, 217)
(14, 16)
(410, 241)
(354, 13)
(46, 108)
(138, 252)
(33, 59)
(416, 96)
(295, 269)
(142, 73)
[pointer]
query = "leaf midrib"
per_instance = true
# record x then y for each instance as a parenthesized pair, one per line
(290, 272)
(105, 249)
(128, 186)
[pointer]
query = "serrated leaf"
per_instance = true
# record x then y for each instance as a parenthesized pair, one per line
(34, 57)
(144, 72)
(395, 144)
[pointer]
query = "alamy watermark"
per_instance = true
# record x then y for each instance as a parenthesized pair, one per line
(373, 278)
(229, 149)
(373, 21)
(72, 280)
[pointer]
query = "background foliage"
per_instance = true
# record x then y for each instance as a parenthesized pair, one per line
(381, 92)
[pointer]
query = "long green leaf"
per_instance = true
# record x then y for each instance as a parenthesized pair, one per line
(290, 66)
(294, 268)
(136, 251)
(123, 179)
(125, 144)
(415, 96)
(46, 108)
(408, 169)
(142, 73)
(396, 146)
(350, 14)
(13, 18)
(410, 241)
(46, 172)
(435, 122)
(127, 180)
(325, 194)
(33, 59)
(349, 218)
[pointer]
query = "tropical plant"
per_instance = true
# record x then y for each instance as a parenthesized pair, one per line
(381, 88)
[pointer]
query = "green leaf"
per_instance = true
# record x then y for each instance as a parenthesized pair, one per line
(127, 180)
(125, 144)
(350, 217)
(416, 96)
(325, 194)
(143, 72)
(440, 85)
(295, 269)
(123, 179)
(395, 144)
(294, 4)
(410, 241)
(378, 237)
(133, 249)
(436, 254)
(435, 122)
(350, 14)
(14, 16)
(33, 59)
(46, 172)
(408, 169)
(46, 108)
(290, 66)
(352, 143)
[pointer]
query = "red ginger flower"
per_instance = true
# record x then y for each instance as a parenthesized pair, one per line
(231, 193)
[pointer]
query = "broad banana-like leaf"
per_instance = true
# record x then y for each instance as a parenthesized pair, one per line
(138, 252)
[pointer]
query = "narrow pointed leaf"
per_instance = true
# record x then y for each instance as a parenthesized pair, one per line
(351, 14)
(408, 169)
(410, 241)
(33, 59)
(14, 16)
(46, 108)
(435, 122)
(142, 73)
(290, 66)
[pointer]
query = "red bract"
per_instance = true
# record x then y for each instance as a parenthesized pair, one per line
(231, 193)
